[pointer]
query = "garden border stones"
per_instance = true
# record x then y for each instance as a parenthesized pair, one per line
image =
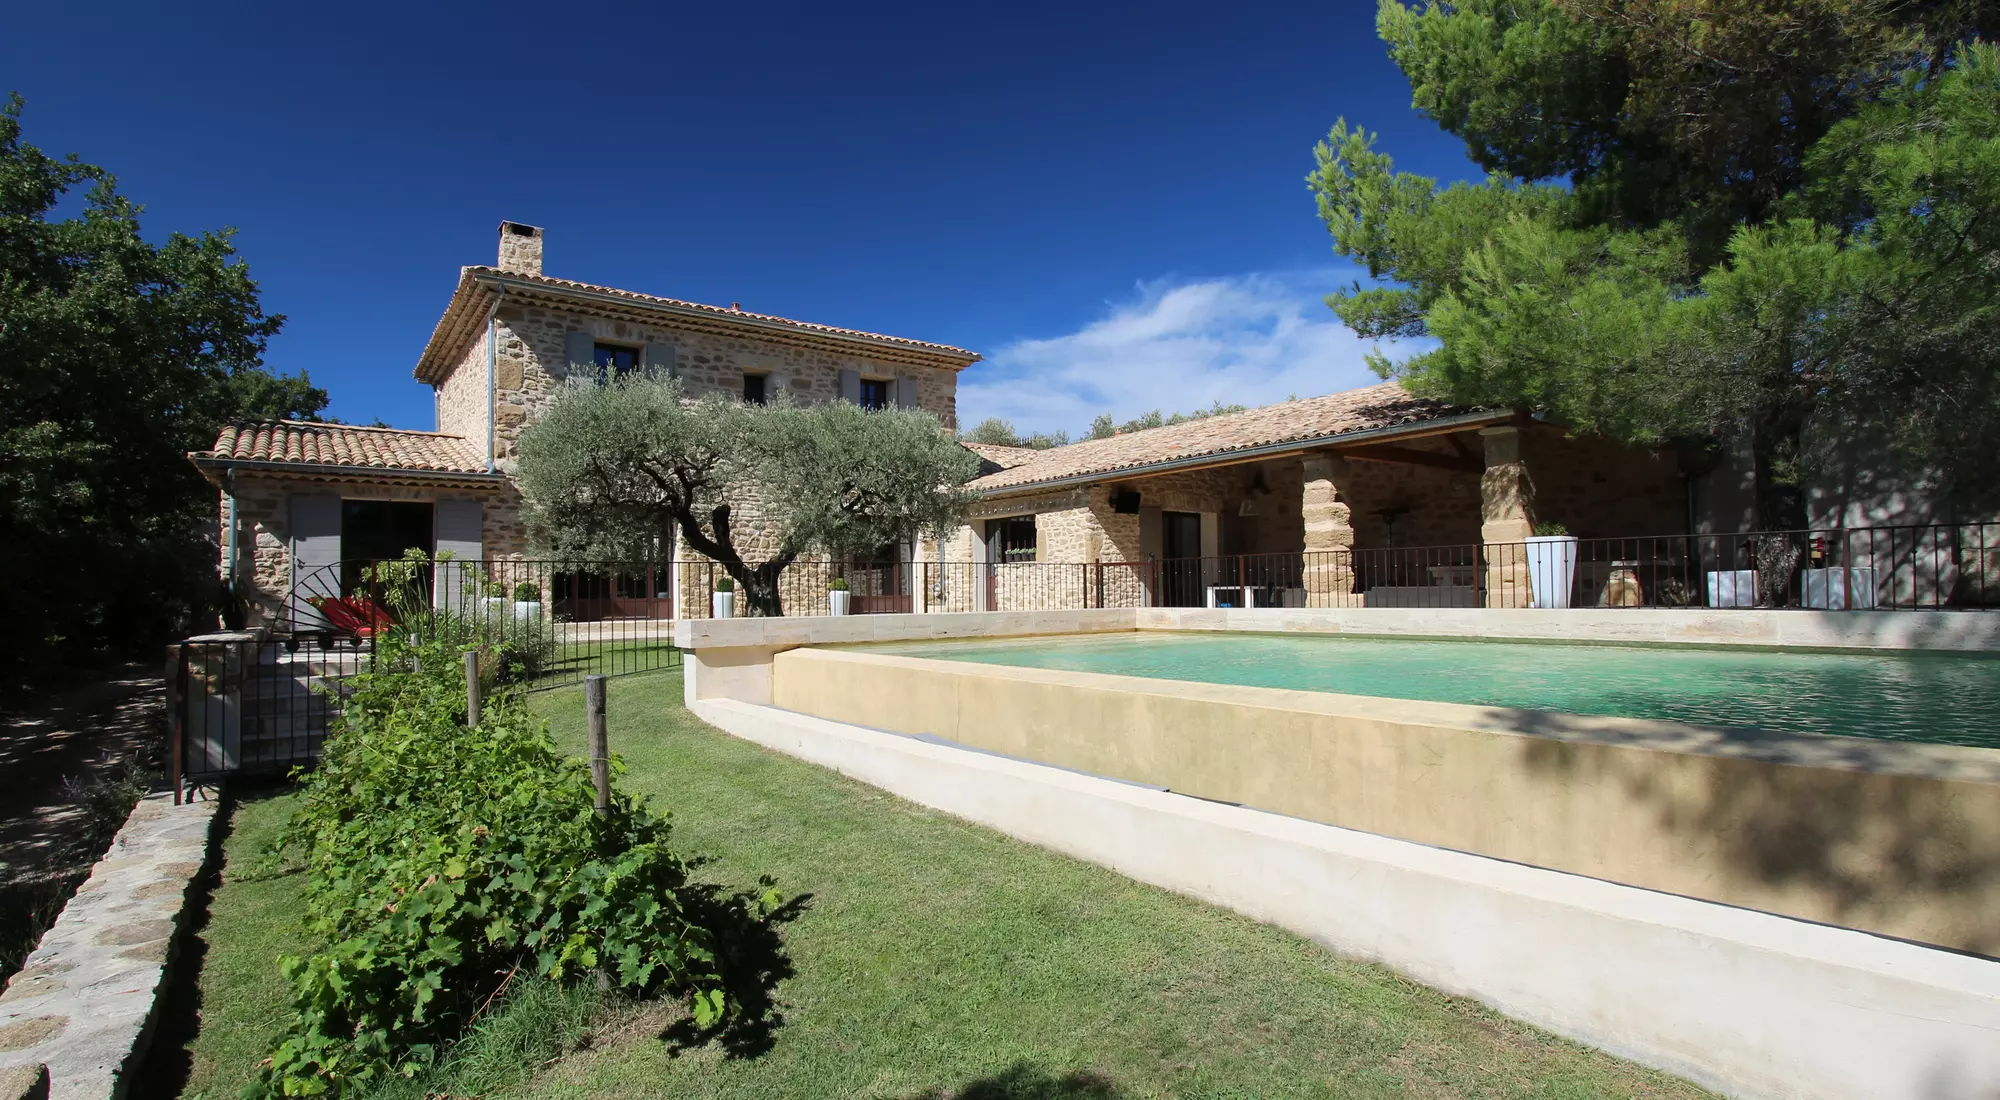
(84, 1002)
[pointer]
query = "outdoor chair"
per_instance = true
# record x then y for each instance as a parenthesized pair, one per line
(356, 615)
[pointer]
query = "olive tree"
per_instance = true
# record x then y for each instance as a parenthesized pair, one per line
(616, 470)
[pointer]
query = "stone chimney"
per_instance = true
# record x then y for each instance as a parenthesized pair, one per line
(520, 248)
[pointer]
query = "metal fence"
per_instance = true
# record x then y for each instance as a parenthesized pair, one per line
(264, 701)
(1930, 567)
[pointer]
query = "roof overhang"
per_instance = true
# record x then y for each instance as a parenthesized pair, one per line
(215, 470)
(1414, 430)
(478, 289)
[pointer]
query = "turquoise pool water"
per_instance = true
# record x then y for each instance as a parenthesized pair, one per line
(1949, 699)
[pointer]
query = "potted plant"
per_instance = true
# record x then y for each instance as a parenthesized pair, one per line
(1551, 564)
(497, 603)
(527, 601)
(722, 603)
(837, 596)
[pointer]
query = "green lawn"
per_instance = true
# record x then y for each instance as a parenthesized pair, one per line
(933, 958)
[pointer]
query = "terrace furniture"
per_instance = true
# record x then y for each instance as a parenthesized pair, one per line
(359, 616)
(1732, 588)
(1248, 593)
(1621, 586)
(1453, 575)
(1852, 588)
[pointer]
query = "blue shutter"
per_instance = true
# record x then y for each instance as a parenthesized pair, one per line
(850, 386)
(660, 359)
(580, 353)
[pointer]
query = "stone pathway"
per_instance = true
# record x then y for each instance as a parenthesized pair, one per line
(73, 734)
(85, 997)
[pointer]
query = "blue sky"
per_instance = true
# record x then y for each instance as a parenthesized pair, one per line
(1105, 200)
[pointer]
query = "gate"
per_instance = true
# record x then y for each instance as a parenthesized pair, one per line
(249, 704)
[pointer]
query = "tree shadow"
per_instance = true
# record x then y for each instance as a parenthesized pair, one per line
(168, 1061)
(1843, 830)
(1022, 1081)
(750, 956)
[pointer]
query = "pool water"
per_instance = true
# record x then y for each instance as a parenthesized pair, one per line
(1934, 697)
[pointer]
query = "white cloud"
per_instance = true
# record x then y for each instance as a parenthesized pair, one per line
(1182, 345)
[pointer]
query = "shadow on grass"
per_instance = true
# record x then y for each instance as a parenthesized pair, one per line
(169, 1061)
(750, 955)
(1022, 1081)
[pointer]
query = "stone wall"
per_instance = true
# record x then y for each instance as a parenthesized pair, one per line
(263, 516)
(1400, 504)
(86, 1000)
(1599, 489)
(532, 366)
(461, 398)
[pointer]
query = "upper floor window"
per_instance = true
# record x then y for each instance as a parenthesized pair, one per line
(753, 389)
(874, 393)
(614, 360)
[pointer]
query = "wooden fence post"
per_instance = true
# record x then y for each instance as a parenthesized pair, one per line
(600, 751)
(471, 687)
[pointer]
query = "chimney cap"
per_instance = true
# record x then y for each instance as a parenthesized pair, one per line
(520, 248)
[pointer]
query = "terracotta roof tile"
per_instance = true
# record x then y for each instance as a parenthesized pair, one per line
(455, 327)
(993, 457)
(571, 284)
(316, 444)
(1370, 408)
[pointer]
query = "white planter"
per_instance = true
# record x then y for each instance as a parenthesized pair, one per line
(497, 608)
(1551, 569)
(527, 611)
(722, 605)
(837, 602)
(1732, 588)
(1841, 589)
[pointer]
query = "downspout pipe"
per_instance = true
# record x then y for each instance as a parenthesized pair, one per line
(492, 373)
(229, 490)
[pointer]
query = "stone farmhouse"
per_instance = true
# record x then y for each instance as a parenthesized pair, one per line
(1367, 470)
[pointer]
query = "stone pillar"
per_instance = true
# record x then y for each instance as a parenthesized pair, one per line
(1329, 548)
(1507, 517)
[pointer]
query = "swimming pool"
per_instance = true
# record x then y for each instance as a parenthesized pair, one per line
(1931, 697)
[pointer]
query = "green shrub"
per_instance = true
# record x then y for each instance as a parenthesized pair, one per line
(527, 592)
(837, 584)
(725, 584)
(443, 860)
(495, 590)
(1549, 528)
(515, 651)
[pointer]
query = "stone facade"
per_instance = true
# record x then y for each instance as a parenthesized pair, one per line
(263, 517)
(531, 364)
(1339, 525)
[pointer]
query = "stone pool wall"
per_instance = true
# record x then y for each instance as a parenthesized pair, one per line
(1887, 837)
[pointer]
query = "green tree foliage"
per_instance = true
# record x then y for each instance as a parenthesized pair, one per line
(117, 357)
(1703, 219)
(1104, 427)
(617, 470)
(1001, 433)
(443, 860)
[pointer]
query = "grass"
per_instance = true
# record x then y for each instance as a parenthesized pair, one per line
(252, 919)
(575, 660)
(928, 958)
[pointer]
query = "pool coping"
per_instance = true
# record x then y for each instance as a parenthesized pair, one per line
(1889, 631)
